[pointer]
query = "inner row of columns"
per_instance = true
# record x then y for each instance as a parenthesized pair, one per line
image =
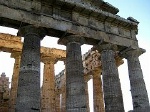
(28, 92)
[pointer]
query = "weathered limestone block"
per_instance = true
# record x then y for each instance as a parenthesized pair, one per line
(4, 93)
(111, 83)
(14, 81)
(28, 93)
(48, 88)
(9, 42)
(75, 85)
(91, 60)
(138, 88)
(4, 86)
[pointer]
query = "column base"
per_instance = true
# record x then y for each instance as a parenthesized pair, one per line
(147, 109)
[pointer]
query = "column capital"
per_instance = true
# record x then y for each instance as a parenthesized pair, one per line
(97, 72)
(87, 77)
(32, 30)
(16, 55)
(102, 47)
(119, 60)
(48, 59)
(132, 53)
(71, 38)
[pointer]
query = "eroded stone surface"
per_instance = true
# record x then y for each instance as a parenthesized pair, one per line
(48, 87)
(138, 89)
(97, 22)
(75, 85)
(111, 82)
(14, 81)
(28, 93)
(4, 93)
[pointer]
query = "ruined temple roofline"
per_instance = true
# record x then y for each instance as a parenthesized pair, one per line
(82, 8)
(105, 6)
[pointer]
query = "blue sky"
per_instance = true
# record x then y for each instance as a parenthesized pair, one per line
(138, 9)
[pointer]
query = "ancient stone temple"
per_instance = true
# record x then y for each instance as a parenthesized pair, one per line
(74, 22)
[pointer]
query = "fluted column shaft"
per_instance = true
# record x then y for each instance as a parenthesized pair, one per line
(98, 92)
(111, 82)
(48, 88)
(28, 94)
(75, 85)
(138, 88)
(14, 81)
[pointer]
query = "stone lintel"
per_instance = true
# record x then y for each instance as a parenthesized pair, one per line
(59, 54)
(9, 37)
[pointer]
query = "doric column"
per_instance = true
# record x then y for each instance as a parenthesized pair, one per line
(14, 81)
(138, 89)
(97, 91)
(48, 88)
(28, 94)
(75, 85)
(111, 82)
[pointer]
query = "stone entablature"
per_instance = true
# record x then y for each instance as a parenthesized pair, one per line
(75, 17)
